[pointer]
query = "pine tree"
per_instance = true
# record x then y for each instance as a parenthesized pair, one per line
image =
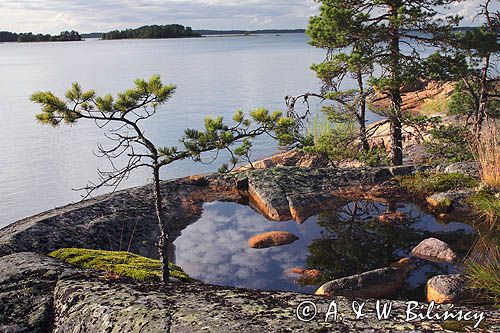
(387, 34)
(123, 117)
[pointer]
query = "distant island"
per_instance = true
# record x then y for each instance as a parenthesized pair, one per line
(152, 32)
(65, 36)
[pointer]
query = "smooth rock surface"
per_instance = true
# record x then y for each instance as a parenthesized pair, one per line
(446, 289)
(435, 250)
(272, 238)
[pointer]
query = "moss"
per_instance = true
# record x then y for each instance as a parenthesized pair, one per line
(485, 202)
(437, 182)
(120, 263)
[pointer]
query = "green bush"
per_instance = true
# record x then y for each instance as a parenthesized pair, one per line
(120, 263)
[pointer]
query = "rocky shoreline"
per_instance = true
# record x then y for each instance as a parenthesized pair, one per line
(40, 294)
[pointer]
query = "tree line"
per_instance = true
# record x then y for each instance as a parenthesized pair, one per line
(65, 36)
(152, 31)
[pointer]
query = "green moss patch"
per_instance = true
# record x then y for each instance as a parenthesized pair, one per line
(428, 184)
(123, 264)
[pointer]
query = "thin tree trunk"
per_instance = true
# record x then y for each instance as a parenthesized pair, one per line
(163, 226)
(362, 113)
(483, 98)
(395, 93)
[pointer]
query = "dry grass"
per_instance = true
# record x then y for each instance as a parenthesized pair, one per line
(487, 153)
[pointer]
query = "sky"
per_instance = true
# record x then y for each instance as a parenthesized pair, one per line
(53, 16)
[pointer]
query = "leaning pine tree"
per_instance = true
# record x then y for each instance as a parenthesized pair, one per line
(123, 118)
(396, 31)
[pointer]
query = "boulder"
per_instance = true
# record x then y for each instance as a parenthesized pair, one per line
(440, 203)
(273, 238)
(435, 250)
(446, 289)
(382, 282)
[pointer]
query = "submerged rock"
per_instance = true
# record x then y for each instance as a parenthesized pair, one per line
(446, 289)
(404, 263)
(273, 238)
(382, 282)
(435, 250)
(392, 217)
(306, 276)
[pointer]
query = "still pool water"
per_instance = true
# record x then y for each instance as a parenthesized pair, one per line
(340, 243)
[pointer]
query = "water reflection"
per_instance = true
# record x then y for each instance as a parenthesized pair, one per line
(350, 240)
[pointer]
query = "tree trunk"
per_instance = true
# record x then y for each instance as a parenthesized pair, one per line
(395, 92)
(483, 98)
(164, 236)
(362, 113)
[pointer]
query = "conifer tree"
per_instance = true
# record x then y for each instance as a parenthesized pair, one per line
(123, 116)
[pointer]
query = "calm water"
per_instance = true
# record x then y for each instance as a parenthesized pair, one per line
(339, 243)
(39, 166)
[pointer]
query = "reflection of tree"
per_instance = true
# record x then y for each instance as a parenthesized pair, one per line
(354, 241)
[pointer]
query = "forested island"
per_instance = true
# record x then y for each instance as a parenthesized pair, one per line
(65, 36)
(152, 32)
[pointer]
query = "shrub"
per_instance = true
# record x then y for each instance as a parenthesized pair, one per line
(120, 263)
(332, 142)
(376, 156)
(449, 143)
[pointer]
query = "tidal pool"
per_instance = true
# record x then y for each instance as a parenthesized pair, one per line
(339, 243)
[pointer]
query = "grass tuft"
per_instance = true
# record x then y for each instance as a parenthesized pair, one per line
(437, 182)
(482, 268)
(123, 264)
(485, 203)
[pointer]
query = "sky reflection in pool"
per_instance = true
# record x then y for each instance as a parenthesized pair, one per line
(215, 248)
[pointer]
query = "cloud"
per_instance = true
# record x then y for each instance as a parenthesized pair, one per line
(91, 15)
(51, 16)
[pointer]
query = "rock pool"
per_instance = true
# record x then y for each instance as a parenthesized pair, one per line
(355, 238)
